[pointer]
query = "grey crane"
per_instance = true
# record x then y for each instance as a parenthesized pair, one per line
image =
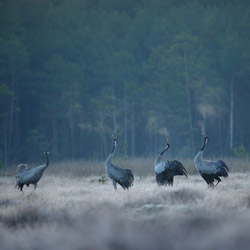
(27, 176)
(124, 177)
(210, 170)
(165, 171)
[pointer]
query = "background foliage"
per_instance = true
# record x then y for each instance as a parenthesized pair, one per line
(72, 72)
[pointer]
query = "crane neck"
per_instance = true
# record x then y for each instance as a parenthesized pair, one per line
(199, 156)
(204, 145)
(114, 147)
(109, 159)
(158, 158)
(47, 160)
(198, 160)
(44, 166)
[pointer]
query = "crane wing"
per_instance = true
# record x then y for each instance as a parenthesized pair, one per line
(218, 168)
(124, 177)
(221, 168)
(176, 168)
(172, 168)
(21, 167)
(28, 176)
(20, 172)
(165, 172)
(222, 164)
(25, 176)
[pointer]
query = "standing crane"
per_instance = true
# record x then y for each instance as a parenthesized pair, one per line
(165, 171)
(124, 177)
(27, 176)
(210, 170)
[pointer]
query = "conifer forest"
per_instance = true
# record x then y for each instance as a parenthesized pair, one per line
(74, 72)
(92, 95)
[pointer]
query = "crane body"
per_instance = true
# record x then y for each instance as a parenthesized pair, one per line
(165, 171)
(124, 177)
(210, 170)
(27, 176)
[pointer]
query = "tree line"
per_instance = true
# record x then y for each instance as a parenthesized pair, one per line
(74, 72)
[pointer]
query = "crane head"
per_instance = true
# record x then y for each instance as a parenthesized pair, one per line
(114, 139)
(205, 138)
(46, 152)
(167, 145)
(204, 135)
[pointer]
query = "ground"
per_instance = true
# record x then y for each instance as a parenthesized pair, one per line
(67, 212)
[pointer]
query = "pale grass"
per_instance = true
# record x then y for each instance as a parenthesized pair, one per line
(68, 212)
(139, 166)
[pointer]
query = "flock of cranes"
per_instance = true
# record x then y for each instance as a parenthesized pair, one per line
(164, 171)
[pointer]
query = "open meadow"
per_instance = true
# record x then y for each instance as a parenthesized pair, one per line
(84, 82)
(77, 210)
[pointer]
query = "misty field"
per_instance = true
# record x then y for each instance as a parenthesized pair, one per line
(72, 211)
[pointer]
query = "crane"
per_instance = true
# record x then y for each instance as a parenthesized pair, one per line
(210, 170)
(27, 176)
(165, 171)
(124, 177)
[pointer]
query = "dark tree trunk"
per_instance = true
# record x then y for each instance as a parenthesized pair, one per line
(189, 101)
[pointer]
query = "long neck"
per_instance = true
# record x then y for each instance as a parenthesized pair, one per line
(44, 166)
(204, 145)
(158, 158)
(47, 160)
(109, 159)
(199, 157)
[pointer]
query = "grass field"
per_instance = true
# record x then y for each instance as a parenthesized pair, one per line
(72, 211)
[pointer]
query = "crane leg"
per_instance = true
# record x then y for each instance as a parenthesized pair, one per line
(35, 186)
(216, 183)
(115, 184)
(218, 179)
(211, 185)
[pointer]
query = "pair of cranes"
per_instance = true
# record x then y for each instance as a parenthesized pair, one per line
(165, 171)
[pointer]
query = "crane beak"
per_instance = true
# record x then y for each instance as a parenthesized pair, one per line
(114, 138)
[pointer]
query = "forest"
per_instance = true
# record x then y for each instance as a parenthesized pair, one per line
(74, 72)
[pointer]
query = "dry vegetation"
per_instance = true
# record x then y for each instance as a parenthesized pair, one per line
(140, 166)
(77, 212)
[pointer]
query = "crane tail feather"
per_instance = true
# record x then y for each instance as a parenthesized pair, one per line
(172, 168)
(127, 180)
(21, 167)
(223, 167)
(179, 169)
